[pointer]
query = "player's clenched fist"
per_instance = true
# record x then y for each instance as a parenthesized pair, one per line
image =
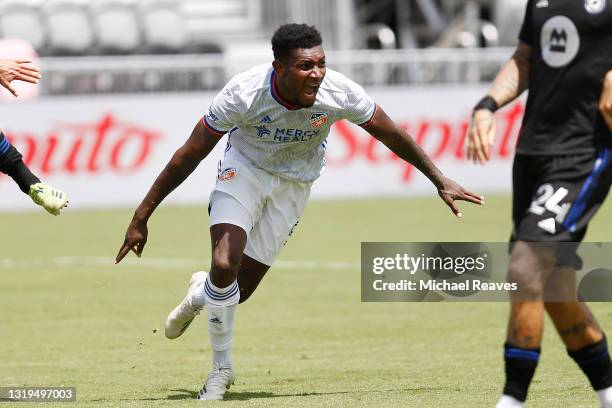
(48, 197)
(605, 102)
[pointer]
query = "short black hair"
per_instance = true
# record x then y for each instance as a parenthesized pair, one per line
(289, 37)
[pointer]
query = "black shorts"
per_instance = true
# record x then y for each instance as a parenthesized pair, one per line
(556, 196)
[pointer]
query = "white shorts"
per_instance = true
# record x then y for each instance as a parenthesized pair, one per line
(265, 205)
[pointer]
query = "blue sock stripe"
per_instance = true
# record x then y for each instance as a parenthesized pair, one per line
(210, 287)
(593, 359)
(4, 146)
(577, 210)
(213, 294)
(227, 296)
(522, 354)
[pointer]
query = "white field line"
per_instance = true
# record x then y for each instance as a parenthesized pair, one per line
(159, 263)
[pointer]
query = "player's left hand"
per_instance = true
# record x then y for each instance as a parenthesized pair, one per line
(50, 198)
(605, 102)
(450, 192)
(480, 136)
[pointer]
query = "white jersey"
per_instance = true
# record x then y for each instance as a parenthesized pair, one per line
(277, 136)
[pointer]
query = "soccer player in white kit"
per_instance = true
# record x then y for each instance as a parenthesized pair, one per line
(278, 118)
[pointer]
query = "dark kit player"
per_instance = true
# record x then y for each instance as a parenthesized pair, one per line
(562, 174)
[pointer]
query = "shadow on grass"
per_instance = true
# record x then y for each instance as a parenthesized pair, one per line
(248, 395)
(184, 394)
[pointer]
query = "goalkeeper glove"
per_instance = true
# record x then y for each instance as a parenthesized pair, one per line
(48, 197)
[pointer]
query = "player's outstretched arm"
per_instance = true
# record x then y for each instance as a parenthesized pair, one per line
(400, 143)
(511, 81)
(17, 70)
(11, 163)
(181, 165)
(605, 102)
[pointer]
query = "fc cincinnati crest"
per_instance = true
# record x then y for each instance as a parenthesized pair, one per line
(594, 6)
(318, 119)
(227, 174)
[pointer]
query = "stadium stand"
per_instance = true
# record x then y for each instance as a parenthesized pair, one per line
(163, 28)
(21, 19)
(117, 27)
(69, 29)
(105, 46)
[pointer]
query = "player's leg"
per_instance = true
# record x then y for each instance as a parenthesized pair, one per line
(239, 262)
(250, 274)
(236, 200)
(581, 334)
(235, 209)
(525, 325)
(528, 267)
(585, 341)
(221, 288)
(224, 210)
(221, 296)
(572, 318)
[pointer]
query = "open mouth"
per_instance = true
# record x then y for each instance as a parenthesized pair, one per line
(311, 89)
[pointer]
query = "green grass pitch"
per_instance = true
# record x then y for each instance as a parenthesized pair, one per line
(69, 317)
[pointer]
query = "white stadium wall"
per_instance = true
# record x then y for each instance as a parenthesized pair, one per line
(105, 151)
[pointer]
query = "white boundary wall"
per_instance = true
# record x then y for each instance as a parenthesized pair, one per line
(105, 151)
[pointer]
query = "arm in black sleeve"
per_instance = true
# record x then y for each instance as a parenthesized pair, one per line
(11, 163)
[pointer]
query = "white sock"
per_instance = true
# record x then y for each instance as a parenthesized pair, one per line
(605, 397)
(507, 401)
(221, 330)
(220, 307)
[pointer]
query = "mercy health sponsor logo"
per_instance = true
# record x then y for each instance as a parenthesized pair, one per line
(78, 148)
(441, 139)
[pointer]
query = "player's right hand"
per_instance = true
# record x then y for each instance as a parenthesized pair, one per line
(450, 191)
(135, 239)
(17, 70)
(481, 135)
(48, 197)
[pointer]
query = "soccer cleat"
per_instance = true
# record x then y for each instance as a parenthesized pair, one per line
(605, 397)
(181, 317)
(218, 382)
(507, 401)
(48, 197)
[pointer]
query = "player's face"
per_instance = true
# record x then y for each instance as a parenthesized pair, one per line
(302, 74)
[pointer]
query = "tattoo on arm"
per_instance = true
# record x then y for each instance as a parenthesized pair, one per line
(513, 78)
